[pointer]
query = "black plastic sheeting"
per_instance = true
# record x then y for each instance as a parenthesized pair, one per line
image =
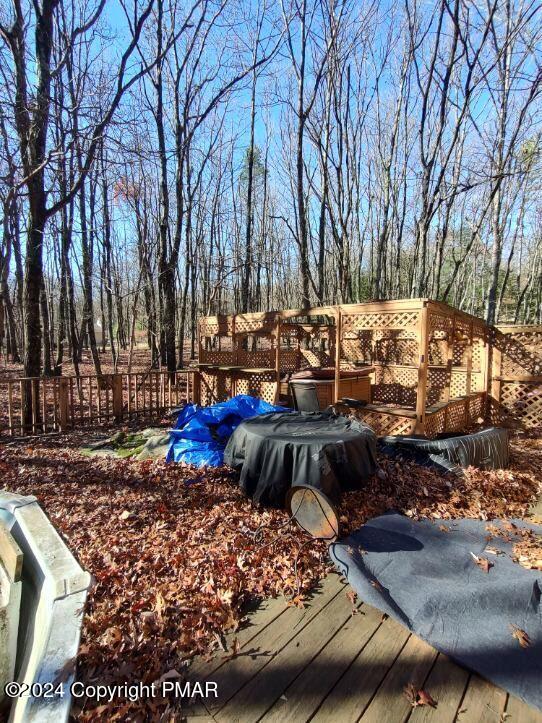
(430, 583)
(487, 449)
(276, 451)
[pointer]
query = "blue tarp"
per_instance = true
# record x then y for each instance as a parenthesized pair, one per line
(201, 433)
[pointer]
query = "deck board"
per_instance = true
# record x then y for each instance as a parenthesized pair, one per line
(519, 712)
(446, 684)
(483, 702)
(324, 663)
(238, 671)
(355, 689)
(412, 665)
(303, 697)
(259, 694)
(267, 612)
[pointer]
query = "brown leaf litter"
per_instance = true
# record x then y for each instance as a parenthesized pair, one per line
(176, 559)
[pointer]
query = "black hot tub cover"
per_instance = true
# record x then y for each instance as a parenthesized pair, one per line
(486, 449)
(277, 451)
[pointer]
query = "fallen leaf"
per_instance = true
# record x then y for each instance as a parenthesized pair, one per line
(411, 694)
(235, 648)
(297, 601)
(426, 699)
(521, 636)
(189, 555)
(482, 562)
(494, 551)
(169, 675)
(351, 595)
(418, 697)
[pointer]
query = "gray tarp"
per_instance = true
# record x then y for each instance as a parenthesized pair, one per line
(431, 584)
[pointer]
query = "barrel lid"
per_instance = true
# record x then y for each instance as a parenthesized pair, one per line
(313, 511)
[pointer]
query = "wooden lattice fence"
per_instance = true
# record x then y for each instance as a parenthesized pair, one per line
(68, 402)
(434, 369)
(516, 376)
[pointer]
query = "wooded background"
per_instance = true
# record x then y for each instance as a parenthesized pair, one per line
(160, 160)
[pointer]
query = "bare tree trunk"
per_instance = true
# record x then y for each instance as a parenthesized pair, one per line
(247, 270)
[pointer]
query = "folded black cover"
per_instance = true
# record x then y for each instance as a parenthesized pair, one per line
(487, 449)
(276, 451)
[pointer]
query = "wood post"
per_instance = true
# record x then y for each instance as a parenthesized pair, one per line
(63, 403)
(338, 334)
(483, 385)
(200, 344)
(423, 346)
(277, 354)
(496, 368)
(116, 385)
(450, 345)
(196, 387)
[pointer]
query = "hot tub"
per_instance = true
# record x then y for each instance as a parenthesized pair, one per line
(353, 384)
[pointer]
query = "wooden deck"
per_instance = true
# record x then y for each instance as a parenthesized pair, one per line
(324, 663)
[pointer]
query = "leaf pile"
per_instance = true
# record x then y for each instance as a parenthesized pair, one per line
(176, 553)
(419, 492)
(527, 544)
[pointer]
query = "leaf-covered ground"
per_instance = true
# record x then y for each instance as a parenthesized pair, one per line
(176, 553)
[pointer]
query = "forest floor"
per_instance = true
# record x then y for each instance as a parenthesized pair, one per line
(141, 362)
(177, 553)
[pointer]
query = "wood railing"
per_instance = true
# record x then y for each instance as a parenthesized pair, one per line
(37, 405)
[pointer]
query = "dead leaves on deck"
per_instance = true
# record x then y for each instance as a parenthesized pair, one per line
(174, 563)
(482, 495)
(417, 697)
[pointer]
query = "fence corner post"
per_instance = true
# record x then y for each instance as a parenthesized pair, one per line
(116, 384)
(63, 403)
(196, 388)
